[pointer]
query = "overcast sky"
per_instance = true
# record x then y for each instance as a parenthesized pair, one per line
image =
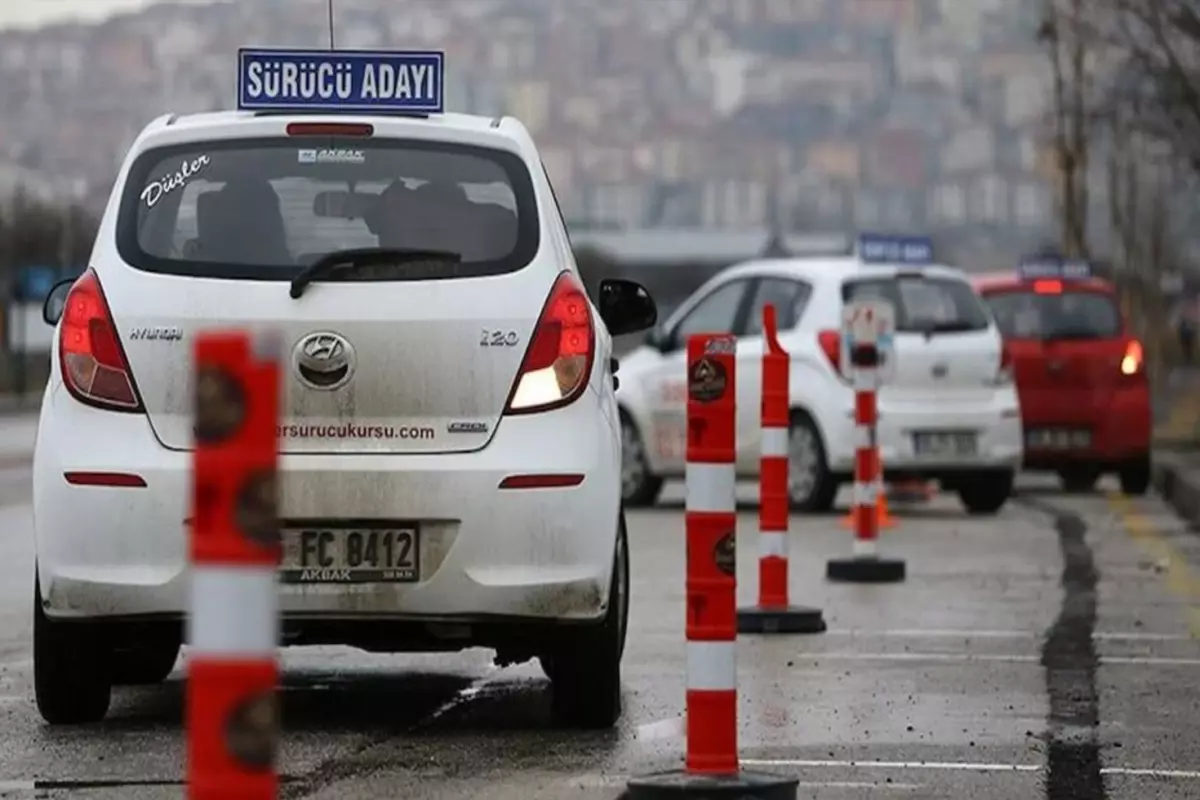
(41, 12)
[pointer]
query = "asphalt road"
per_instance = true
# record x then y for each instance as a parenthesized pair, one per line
(1051, 652)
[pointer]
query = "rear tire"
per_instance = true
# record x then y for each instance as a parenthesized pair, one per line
(144, 664)
(1135, 476)
(72, 677)
(1079, 480)
(812, 488)
(986, 492)
(639, 486)
(585, 667)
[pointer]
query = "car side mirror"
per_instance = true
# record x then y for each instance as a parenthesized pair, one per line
(626, 306)
(56, 301)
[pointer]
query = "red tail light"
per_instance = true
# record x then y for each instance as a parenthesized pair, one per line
(1047, 287)
(559, 359)
(1133, 362)
(93, 363)
(831, 344)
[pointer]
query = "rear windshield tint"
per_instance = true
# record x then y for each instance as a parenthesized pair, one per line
(263, 209)
(1070, 315)
(923, 304)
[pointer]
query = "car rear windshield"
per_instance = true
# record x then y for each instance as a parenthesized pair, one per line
(1069, 315)
(923, 304)
(263, 209)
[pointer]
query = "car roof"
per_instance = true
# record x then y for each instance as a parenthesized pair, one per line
(214, 125)
(819, 269)
(1009, 280)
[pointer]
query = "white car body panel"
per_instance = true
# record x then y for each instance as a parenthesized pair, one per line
(536, 554)
(653, 384)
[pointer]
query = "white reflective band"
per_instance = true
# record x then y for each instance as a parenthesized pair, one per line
(775, 442)
(862, 437)
(866, 548)
(234, 611)
(710, 487)
(865, 494)
(772, 543)
(864, 380)
(712, 666)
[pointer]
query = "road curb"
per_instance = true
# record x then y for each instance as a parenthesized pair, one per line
(1178, 481)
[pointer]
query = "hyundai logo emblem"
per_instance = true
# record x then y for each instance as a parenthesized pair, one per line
(324, 360)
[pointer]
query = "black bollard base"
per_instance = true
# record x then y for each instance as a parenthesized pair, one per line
(742, 786)
(781, 619)
(865, 570)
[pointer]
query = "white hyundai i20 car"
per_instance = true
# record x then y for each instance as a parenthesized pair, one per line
(449, 389)
(948, 410)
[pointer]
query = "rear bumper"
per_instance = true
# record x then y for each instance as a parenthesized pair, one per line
(1120, 424)
(996, 422)
(485, 552)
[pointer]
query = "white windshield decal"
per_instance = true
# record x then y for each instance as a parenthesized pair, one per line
(156, 190)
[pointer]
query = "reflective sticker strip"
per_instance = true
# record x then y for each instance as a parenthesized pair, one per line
(772, 544)
(866, 548)
(774, 442)
(862, 437)
(865, 379)
(234, 611)
(710, 487)
(865, 493)
(712, 666)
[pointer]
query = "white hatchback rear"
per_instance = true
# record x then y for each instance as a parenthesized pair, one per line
(448, 390)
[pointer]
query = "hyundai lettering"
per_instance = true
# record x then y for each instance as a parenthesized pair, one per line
(1085, 397)
(440, 488)
(947, 409)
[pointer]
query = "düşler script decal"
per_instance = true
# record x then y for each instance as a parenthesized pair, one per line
(156, 190)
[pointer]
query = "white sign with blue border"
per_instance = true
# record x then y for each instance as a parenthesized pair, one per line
(1054, 267)
(876, 248)
(358, 81)
(870, 322)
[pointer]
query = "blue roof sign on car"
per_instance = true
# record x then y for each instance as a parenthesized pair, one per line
(1054, 267)
(874, 248)
(347, 81)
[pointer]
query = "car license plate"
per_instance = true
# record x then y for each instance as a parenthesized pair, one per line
(953, 444)
(1057, 438)
(351, 555)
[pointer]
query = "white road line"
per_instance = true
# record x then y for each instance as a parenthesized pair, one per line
(954, 633)
(926, 765)
(951, 766)
(963, 658)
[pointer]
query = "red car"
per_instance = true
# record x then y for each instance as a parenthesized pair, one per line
(1080, 375)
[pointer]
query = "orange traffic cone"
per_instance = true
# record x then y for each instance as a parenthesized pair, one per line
(886, 520)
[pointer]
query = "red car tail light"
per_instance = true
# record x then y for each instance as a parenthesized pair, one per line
(831, 345)
(558, 363)
(1133, 362)
(93, 363)
(356, 129)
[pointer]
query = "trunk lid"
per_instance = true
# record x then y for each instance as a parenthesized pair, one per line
(420, 380)
(413, 354)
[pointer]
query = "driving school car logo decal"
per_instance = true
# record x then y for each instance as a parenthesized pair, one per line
(156, 190)
(706, 381)
(725, 553)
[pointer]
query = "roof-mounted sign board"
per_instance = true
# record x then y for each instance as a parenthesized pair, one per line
(345, 81)
(874, 248)
(1054, 268)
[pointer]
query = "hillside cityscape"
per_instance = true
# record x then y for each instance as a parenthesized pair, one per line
(805, 115)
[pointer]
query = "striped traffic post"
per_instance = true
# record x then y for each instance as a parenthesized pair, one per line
(773, 613)
(712, 765)
(233, 620)
(866, 565)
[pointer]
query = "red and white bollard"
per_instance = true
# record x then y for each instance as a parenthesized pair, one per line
(773, 613)
(711, 523)
(233, 619)
(866, 565)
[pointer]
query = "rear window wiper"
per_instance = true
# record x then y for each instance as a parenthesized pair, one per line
(365, 257)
